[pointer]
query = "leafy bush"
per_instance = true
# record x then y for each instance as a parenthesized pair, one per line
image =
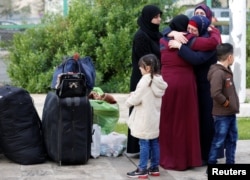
(101, 29)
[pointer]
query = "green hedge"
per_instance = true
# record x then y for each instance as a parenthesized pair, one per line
(103, 31)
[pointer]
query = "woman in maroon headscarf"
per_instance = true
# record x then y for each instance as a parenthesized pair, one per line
(179, 123)
(201, 66)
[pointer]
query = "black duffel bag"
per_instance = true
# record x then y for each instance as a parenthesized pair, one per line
(21, 138)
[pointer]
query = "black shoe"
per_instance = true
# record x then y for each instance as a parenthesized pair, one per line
(138, 174)
(154, 171)
(204, 162)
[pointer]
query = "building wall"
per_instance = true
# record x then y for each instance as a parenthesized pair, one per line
(192, 3)
(54, 6)
(12, 9)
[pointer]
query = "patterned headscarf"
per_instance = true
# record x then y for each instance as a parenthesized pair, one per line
(201, 22)
(206, 9)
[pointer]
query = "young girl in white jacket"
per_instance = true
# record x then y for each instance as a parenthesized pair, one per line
(145, 118)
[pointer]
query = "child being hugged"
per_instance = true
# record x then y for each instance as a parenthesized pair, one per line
(145, 118)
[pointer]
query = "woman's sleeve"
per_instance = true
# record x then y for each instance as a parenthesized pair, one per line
(166, 31)
(206, 43)
(195, 57)
(142, 46)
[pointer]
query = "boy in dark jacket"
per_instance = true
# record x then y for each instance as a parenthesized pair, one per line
(225, 104)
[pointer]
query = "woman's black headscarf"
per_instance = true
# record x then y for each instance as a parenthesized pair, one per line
(144, 21)
(179, 23)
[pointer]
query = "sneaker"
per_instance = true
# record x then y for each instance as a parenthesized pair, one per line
(154, 171)
(138, 174)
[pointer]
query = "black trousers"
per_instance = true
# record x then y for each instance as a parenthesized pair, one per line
(132, 142)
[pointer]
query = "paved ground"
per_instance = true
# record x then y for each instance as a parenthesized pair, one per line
(120, 98)
(104, 168)
(39, 98)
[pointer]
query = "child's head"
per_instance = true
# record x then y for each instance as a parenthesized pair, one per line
(149, 64)
(225, 53)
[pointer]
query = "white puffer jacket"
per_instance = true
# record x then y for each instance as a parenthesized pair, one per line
(145, 118)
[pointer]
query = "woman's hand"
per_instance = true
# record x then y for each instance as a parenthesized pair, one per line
(174, 44)
(179, 36)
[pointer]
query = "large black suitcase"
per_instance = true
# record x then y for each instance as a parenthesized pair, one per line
(21, 138)
(67, 128)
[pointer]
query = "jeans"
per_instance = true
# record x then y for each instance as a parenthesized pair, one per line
(149, 148)
(226, 133)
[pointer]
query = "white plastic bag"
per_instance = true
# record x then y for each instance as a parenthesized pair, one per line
(113, 144)
(96, 141)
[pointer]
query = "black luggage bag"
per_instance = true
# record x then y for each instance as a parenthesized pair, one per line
(21, 138)
(67, 129)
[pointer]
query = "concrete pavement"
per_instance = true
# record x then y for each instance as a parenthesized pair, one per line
(120, 98)
(104, 168)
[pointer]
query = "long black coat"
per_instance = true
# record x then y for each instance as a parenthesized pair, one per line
(145, 41)
(142, 45)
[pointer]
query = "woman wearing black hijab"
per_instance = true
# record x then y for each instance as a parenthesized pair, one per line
(145, 41)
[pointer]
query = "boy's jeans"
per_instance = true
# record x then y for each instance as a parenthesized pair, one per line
(226, 134)
(149, 148)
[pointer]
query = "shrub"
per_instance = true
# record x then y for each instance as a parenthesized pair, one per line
(102, 30)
